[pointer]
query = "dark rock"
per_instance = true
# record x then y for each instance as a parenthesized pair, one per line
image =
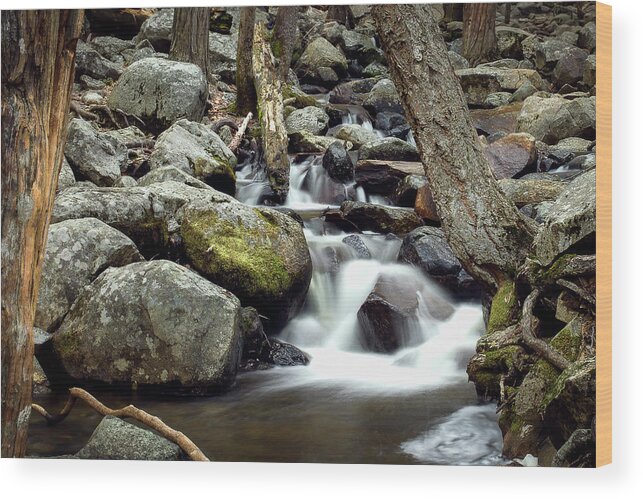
(378, 218)
(406, 193)
(338, 164)
(89, 62)
(386, 121)
(358, 246)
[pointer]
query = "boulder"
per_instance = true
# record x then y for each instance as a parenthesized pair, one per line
(161, 91)
(587, 36)
(389, 149)
(222, 56)
(357, 244)
(338, 163)
(477, 83)
(259, 254)
(171, 174)
(497, 99)
(320, 53)
(197, 150)
(77, 252)
(111, 47)
(589, 71)
(571, 219)
(152, 324)
(157, 29)
(407, 190)
(355, 134)
(375, 69)
(545, 54)
(311, 118)
(114, 438)
(569, 68)
(65, 177)
(360, 47)
(427, 248)
(511, 155)
(379, 218)
(554, 118)
(306, 142)
(93, 155)
(523, 192)
(89, 62)
(509, 41)
(457, 61)
(383, 97)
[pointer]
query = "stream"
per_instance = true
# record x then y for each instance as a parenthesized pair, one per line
(348, 405)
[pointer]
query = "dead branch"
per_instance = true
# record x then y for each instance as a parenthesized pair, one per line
(224, 122)
(528, 325)
(76, 108)
(236, 140)
(107, 111)
(575, 288)
(129, 411)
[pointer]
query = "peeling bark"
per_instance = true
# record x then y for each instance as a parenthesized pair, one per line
(486, 232)
(38, 50)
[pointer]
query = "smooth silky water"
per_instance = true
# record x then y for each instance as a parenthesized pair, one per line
(348, 405)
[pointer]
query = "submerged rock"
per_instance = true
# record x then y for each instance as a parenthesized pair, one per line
(153, 324)
(114, 438)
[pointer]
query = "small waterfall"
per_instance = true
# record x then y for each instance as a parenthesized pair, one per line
(252, 184)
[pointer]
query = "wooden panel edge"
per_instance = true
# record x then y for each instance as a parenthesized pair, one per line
(604, 234)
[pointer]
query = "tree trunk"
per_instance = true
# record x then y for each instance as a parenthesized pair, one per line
(486, 232)
(284, 36)
(190, 37)
(342, 14)
(246, 96)
(38, 49)
(271, 114)
(507, 13)
(452, 12)
(479, 33)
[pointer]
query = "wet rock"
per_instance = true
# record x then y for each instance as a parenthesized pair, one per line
(160, 92)
(320, 53)
(355, 134)
(554, 118)
(94, 155)
(153, 324)
(378, 218)
(306, 142)
(157, 29)
(311, 118)
(389, 149)
(386, 121)
(65, 177)
(198, 151)
(259, 254)
(427, 248)
(89, 62)
(358, 246)
(511, 155)
(338, 163)
(114, 438)
(77, 252)
(280, 353)
(406, 192)
(571, 219)
(477, 83)
(360, 46)
(383, 177)
(383, 97)
(523, 192)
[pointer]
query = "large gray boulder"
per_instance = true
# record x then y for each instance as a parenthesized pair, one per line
(197, 150)
(360, 47)
(479, 82)
(320, 53)
(94, 155)
(310, 118)
(157, 29)
(77, 252)
(569, 220)
(114, 438)
(171, 174)
(154, 324)
(389, 149)
(569, 68)
(383, 97)
(161, 91)
(222, 56)
(357, 135)
(65, 177)
(89, 62)
(553, 118)
(379, 218)
(544, 54)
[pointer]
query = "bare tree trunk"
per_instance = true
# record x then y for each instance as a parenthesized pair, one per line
(507, 13)
(479, 33)
(190, 36)
(284, 35)
(342, 14)
(486, 232)
(271, 114)
(38, 49)
(246, 96)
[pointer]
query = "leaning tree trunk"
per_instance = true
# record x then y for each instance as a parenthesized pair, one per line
(190, 36)
(479, 33)
(486, 232)
(38, 49)
(271, 114)
(246, 96)
(284, 35)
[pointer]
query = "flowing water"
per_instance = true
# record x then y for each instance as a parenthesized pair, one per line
(348, 405)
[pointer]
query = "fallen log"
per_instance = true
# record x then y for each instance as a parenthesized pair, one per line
(236, 140)
(129, 411)
(271, 113)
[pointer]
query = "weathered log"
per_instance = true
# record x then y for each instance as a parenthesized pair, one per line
(236, 140)
(129, 411)
(271, 113)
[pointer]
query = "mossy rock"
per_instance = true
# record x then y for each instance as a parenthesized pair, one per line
(485, 369)
(504, 308)
(259, 254)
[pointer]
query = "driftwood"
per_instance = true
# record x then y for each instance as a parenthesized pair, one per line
(129, 411)
(236, 140)
(271, 113)
(529, 325)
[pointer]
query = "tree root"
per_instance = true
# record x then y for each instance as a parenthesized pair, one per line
(580, 442)
(77, 109)
(189, 447)
(528, 326)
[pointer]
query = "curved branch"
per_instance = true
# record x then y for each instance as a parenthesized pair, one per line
(528, 326)
(129, 411)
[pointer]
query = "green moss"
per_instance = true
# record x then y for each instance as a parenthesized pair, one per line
(550, 274)
(558, 386)
(504, 308)
(67, 345)
(298, 98)
(238, 257)
(568, 341)
(501, 359)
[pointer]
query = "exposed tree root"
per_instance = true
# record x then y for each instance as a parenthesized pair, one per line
(528, 325)
(129, 411)
(77, 109)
